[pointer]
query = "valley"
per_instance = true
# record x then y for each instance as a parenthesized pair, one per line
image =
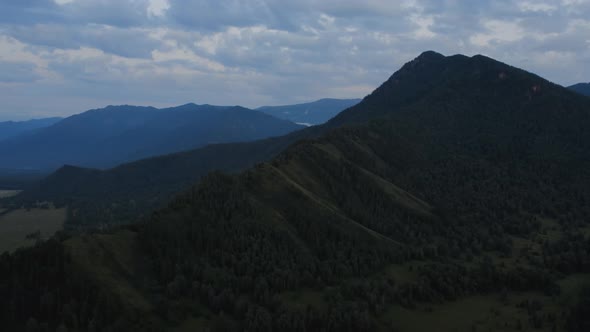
(310, 114)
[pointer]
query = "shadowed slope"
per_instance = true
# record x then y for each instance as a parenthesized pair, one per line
(582, 88)
(473, 182)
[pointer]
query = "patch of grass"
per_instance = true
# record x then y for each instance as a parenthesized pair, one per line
(550, 230)
(16, 225)
(303, 298)
(114, 261)
(193, 324)
(8, 193)
(571, 287)
(405, 273)
(475, 313)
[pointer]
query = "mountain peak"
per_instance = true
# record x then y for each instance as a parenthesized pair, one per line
(430, 55)
(425, 59)
(426, 75)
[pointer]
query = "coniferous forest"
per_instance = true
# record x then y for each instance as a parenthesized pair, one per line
(459, 179)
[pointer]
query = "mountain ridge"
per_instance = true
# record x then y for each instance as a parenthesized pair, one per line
(115, 134)
(469, 188)
(9, 129)
(197, 163)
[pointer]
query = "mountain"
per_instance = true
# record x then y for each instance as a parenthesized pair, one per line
(583, 88)
(19, 179)
(313, 113)
(454, 203)
(133, 190)
(125, 193)
(10, 129)
(117, 134)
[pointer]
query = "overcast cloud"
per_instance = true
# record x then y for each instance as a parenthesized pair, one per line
(59, 57)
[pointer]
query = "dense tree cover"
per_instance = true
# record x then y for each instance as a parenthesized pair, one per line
(41, 290)
(583, 88)
(229, 223)
(579, 315)
(124, 194)
(473, 181)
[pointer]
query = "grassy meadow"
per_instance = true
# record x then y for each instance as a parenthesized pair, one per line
(16, 225)
(8, 193)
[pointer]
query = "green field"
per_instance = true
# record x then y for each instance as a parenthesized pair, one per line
(16, 225)
(8, 193)
(475, 313)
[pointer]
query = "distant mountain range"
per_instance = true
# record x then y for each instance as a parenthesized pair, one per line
(583, 88)
(116, 134)
(10, 129)
(313, 113)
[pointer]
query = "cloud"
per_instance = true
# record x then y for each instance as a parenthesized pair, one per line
(17, 72)
(118, 13)
(128, 42)
(65, 56)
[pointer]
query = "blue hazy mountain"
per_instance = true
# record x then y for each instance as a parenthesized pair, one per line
(582, 88)
(116, 134)
(9, 129)
(313, 113)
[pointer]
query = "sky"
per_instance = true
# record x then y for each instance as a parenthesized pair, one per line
(60, 57)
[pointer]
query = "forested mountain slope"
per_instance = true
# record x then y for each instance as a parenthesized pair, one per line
(583, 88)
(124, 194)
(469, 187)
(116, 134)
(424, 82)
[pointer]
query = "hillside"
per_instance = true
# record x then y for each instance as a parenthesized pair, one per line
(10, 129)
(125, 193)
(313, 113)
(456, 203)
(19, 179)
(135, 189)
(583, 88)
(116, 134)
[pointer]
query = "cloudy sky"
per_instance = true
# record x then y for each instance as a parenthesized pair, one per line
(59, 57)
